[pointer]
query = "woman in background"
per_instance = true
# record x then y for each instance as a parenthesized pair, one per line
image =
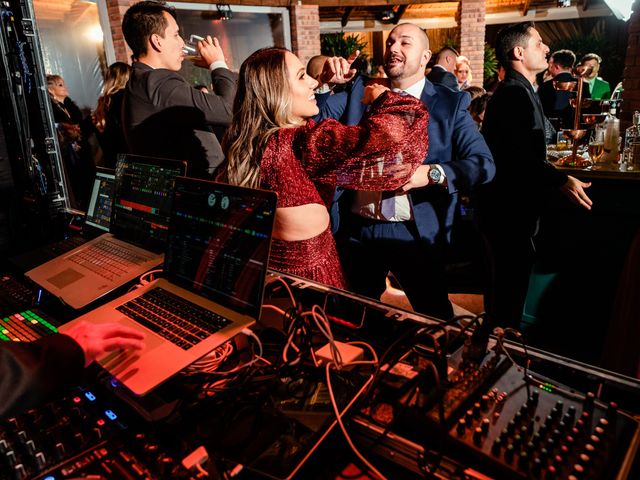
(65, 111)
(272, 144)
(68, 119)
(477, 108)
(463, 72)
(106, 117)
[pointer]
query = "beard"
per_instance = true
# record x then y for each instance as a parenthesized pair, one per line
(395, 70)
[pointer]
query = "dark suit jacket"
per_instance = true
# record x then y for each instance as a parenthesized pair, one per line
(443, 77)
(454, 143)
(30, 372)
(514, 129)
(164, 116)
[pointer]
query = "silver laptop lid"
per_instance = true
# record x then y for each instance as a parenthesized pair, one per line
(219, 241)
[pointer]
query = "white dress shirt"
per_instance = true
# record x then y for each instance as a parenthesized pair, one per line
(369, 204)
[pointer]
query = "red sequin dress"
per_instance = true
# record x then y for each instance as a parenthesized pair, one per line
(305, 164)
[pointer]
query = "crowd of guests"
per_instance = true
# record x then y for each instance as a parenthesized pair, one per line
(362, 191)
(368, 176)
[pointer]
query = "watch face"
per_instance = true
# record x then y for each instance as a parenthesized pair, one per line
(434, 175)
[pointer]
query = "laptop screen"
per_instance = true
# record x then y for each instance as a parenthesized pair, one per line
(142, 199)
(219, 242)
(99, 210)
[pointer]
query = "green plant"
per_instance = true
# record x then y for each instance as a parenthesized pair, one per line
(490, 65)
(341, 45)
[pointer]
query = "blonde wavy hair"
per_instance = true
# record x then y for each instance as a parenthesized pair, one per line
(116, 79)
(261, 107)
(462, 60)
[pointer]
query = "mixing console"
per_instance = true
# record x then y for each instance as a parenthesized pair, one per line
(545, 433)
(508, 429)
(423, 414)
(81, 436)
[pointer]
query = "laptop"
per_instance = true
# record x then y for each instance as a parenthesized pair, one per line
(138, 232)
(94, 223)
(214, 273)
(98, 216)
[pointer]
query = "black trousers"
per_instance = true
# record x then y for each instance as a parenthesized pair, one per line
(370, 249)
(510, 253)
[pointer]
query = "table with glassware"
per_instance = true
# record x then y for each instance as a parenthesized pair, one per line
(593, 168)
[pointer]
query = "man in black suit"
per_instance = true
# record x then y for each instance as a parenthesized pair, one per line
(163, 115)
(555, 103)
(32, 371)
(508, 208)
(442, 70)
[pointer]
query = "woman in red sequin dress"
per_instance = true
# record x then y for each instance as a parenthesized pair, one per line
(273, 144)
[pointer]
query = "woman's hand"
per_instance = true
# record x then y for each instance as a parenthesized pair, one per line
(337, 70)
(372, 92)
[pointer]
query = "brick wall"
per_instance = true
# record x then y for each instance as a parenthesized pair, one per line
(116, 9)
(631, 82)
(471, 20)
(305, 31)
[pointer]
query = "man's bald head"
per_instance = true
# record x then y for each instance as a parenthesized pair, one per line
(419, 33)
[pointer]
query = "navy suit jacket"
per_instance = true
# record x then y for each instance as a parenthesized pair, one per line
(443, 77)
(454, 143)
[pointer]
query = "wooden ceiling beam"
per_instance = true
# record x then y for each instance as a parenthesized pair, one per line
(525, 8)
(365, 3)
(345, 16)
(400, 13)
(325, 3)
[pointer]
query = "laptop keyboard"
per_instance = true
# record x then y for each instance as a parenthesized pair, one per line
(108, 259)
(63, 246)
(181, 322)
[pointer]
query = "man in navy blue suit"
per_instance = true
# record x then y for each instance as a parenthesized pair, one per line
(443, 68)
(407, 234)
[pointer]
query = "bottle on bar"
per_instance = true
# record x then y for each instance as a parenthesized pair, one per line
(612, 137)
(632, 142)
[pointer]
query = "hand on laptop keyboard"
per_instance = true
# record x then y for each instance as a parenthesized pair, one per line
(96, 340)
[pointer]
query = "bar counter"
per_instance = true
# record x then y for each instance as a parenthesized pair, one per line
(585, 283)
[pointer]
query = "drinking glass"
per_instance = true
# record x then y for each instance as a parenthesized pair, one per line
(596, 146)
(190, 49)
(563, 142)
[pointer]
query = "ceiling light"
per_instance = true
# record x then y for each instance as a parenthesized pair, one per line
(224, 10)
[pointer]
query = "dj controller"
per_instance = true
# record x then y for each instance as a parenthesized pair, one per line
(510, 415)
(502, 425)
